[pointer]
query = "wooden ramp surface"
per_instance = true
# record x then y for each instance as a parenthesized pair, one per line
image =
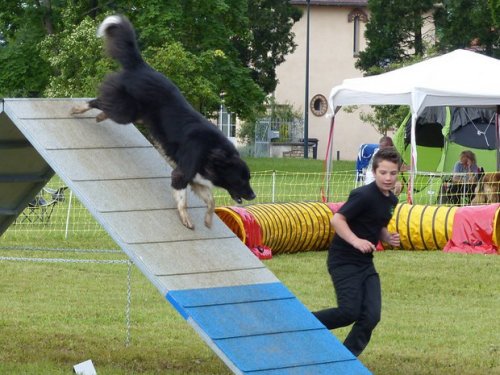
(242, 311)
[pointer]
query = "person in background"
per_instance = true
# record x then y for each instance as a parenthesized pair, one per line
(464, 179)
(359, 225)
(384, 142)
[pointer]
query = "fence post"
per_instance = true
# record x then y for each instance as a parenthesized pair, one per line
(67, 215)
(273, 186)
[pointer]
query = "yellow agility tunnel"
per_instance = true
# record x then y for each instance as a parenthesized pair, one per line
(422, 227)
(305, 226)
(284, 227)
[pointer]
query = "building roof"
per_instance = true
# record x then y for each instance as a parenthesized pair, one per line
(331, 2)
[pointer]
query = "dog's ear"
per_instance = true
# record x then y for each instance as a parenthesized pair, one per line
(190, 162)
(219, 157)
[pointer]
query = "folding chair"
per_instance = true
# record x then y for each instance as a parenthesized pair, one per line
(56, 194)
(39, 210)
(41, 207)
(365, 153)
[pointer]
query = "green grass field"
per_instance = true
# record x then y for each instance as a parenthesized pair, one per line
(440, 310)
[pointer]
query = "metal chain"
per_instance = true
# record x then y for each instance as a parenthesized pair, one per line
(129, 302)
(60, 260)
(59, 249)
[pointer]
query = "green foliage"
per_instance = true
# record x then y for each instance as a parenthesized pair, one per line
(77, 68)
(23, 72)
(206, 47)
(462, 23)
(277, 114)
(393, 32)
(270, 39)
(246, 132)
(385, 118)
(494, 6)
(187, 71)
(393, 44)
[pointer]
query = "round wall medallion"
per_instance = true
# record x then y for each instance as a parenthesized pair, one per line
(319, 105)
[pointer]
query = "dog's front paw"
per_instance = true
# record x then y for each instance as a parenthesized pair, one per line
(76, 110)
(185, 220)
(188, 224)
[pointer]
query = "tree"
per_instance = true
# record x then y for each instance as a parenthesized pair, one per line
(466, 23)
(206, 47)
(494, 6)
(23, 72)
(394, 37)
(270, 39)
(393, 33)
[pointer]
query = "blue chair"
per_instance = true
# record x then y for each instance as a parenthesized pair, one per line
(365, 153)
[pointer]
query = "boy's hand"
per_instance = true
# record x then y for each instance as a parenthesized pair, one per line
(364, 246)
(394, 240)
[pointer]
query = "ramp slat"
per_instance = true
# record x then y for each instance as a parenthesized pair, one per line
(97, 135)
(217, 254)
(162, 226)
(210, 280)
(351, 367)
(45, 109)
(253, 318)
(110, 163)
(222, 296)
(152, 193)
(280, 350)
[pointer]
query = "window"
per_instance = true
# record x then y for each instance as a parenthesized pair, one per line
(356, 16)
(227, 122)
(355, 48)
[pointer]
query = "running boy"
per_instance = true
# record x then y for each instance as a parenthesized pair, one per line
(359, 224)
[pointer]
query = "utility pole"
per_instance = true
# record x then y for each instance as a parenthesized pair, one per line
(306, 101)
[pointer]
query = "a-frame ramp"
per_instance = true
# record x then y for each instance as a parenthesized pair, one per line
(242, 311)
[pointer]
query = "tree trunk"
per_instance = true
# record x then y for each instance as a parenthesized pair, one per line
(46, 7)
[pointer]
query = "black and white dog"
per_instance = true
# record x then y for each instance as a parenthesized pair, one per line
(199, 152)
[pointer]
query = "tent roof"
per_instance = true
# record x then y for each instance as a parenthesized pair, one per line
(458, 78)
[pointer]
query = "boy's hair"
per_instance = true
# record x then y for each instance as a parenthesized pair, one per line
(389, 154)
(385, 141)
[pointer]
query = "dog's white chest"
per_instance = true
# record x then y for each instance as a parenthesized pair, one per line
(198, 179)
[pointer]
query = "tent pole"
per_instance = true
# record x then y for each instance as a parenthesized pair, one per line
(413, 158)
(497, 145)
(329, 153)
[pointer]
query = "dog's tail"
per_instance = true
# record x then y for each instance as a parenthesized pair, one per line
(120, 41)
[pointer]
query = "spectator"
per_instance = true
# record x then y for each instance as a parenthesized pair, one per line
(464, 179)
(384, 142)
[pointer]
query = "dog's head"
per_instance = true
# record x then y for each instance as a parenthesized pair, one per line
(227, 170)
(488, 189)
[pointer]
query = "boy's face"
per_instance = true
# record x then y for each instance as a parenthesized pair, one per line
(386, 175)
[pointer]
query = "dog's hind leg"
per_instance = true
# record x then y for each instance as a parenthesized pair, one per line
(180, 197)
(205, 193)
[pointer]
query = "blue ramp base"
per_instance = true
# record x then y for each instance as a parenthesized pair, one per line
(265, 329)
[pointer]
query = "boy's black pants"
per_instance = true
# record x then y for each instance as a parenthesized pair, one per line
(359, 301)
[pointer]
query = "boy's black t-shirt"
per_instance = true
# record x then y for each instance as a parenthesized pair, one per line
(367, 211)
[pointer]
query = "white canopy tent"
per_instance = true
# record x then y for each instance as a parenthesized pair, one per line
(458, 78)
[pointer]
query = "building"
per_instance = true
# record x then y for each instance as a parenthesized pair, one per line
(336, 35)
